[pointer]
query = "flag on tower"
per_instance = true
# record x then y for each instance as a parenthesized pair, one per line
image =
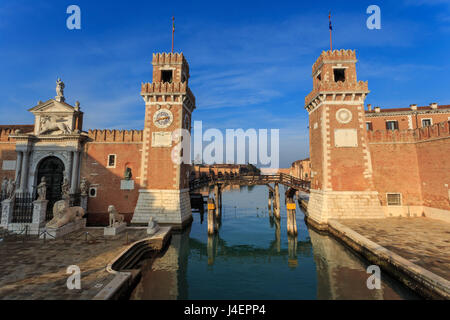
(329, 18)
(331, 29)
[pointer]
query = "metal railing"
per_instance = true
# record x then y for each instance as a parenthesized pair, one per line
(23, 208)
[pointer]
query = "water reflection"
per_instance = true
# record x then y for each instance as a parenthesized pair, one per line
(252, 257)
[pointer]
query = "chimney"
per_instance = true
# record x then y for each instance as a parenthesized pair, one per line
(369, 107)
(413, 107)
(434, 105)
(377, 109)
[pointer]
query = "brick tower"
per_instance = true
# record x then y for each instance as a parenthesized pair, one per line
(342, 185)
(169, 103)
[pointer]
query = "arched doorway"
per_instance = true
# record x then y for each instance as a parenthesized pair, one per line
(52, 169)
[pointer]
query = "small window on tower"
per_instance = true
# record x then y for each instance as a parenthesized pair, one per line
(166, 76)
(319, 77)
(339, 75)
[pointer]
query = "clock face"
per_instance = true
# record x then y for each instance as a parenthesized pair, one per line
(163, 118)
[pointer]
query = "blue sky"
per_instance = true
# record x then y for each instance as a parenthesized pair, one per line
(250, 60)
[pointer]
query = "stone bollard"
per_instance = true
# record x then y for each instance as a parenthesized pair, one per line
(291, 217)
(211, 217)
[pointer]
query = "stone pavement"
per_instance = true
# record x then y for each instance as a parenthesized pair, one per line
(36, 270)
(423, 241)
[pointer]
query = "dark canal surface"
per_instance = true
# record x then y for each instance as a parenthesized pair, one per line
(252, 257)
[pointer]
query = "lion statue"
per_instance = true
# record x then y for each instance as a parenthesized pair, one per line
(63, 214)
(115, 218)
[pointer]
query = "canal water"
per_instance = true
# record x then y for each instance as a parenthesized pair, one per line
(252, 257)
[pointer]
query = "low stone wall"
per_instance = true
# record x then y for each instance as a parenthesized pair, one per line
(324, 205)
(166, 206)
(126, 278)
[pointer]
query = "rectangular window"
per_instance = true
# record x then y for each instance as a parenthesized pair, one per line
(339, 75)
(426, 123)
(166, 76)
(369, 126)
(394, 199)
(392, 125)
(111, 161)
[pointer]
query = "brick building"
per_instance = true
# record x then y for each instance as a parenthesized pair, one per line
(130, 169)
(374, 163)
(301, 169)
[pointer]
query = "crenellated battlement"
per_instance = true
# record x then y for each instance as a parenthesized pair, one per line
(335, 55)
(164, 87)
(116, 135)
(169, 58)
(4, 135)
(330, 90)
(438, 130)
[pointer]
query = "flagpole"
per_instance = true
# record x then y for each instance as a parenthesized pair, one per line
(173, 31)
(331, 39)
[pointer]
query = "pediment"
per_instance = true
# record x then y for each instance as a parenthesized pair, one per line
(56, 118)
(52, 107)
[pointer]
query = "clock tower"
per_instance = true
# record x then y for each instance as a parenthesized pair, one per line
(169, 103)
(342, 182)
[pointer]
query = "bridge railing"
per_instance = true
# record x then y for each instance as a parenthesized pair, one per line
(281, 178)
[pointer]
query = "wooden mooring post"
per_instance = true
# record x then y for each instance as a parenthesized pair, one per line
(277, 202)
(218, 197)
(291, 217)
(211, 217)
(270, 204)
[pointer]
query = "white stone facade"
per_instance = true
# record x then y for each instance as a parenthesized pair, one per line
(324, 205)
(165, 206)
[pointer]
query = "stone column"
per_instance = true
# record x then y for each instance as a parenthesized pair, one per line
(24, 172)
(74, 185)
(84, 202)
(7, 212)
(18, 166)
(39, 212)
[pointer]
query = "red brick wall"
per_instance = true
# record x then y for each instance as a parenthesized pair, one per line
(316, 148)
(396, 170)
(347, 165)
(414, 163)
(434, 167)
(126, 145)
(7, 152)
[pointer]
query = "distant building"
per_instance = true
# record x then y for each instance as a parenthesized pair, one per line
(301, 169)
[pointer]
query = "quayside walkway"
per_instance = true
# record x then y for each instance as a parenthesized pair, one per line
(423, 241)
(32, 269)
